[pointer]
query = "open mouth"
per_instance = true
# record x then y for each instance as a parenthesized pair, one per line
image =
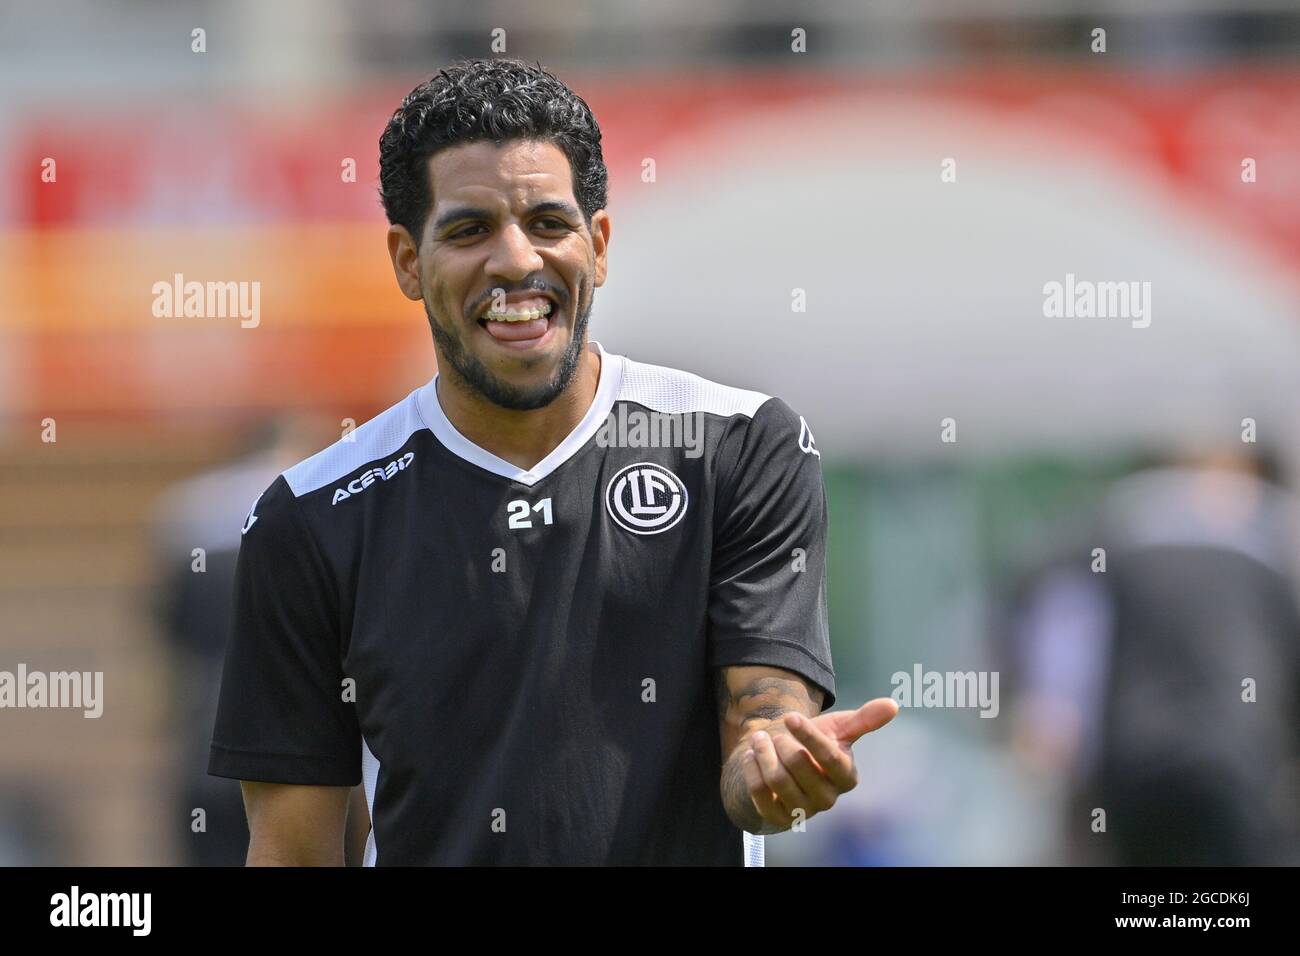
(521, 322)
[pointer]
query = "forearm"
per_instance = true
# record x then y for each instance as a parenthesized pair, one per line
(753, 698)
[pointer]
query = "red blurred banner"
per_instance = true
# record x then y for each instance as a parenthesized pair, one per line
(242, 192)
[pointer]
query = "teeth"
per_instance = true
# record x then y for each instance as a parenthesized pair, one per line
(528, 315)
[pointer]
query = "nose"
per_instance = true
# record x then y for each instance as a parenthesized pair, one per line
(513, 255)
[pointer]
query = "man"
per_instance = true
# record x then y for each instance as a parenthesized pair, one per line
(1139, 682)
(532, 644)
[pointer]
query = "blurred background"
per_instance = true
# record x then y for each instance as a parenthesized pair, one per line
(853, 205)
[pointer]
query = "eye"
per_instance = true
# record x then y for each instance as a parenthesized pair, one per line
(464, 232)
(550, 222)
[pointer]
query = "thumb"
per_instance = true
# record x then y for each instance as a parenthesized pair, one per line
(849, 725)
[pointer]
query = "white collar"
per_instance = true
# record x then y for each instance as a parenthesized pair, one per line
(435, 419)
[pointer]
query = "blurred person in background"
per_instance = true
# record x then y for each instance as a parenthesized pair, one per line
(208, 511)
(29, 832)
(1166, 690)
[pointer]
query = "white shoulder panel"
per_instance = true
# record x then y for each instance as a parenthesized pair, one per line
(674, 392)
(376, 439)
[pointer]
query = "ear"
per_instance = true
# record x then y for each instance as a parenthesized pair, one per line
(406, 261)
(600, 242)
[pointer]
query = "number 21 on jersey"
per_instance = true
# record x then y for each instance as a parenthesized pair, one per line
(520, 513)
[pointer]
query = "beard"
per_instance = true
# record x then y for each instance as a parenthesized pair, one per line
(452, 347)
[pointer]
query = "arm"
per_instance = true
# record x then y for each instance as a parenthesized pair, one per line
(283, 728)
(295, 825)
(752, 699)
(783, 759)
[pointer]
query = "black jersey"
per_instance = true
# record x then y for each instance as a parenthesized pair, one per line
(519, 664)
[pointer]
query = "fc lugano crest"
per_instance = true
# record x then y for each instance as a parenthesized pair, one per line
(646, 498)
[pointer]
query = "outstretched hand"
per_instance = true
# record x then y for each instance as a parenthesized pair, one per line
(807, 769)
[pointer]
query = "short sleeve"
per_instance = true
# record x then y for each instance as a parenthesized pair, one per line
(281, 715)
(767, 589)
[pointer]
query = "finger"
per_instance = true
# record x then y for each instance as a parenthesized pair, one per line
(764, 801)
(835, 761)
(872, 715)
(776, 776)
(807, 776)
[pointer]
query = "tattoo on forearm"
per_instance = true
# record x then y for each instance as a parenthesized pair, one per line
(755, 706)
(765, 699)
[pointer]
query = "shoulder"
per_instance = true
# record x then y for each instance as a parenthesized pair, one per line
(675, 391)
(371, 444)
(376, 442)
(755, 425)
(755, 418)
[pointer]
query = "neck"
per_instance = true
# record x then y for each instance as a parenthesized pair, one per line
(522, 438)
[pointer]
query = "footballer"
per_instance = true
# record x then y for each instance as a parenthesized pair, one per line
(530, 646)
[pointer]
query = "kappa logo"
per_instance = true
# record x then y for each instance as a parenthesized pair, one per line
(807, 444)
(252, 518)
(368, 478)
(646, 498)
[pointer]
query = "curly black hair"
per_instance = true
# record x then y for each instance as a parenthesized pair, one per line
(498, 100)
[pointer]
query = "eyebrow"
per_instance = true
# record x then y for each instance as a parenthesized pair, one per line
(461, 213)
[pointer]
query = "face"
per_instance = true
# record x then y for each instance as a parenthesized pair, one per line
(507, 269)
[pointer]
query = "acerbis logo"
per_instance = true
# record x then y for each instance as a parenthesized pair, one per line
(645, 498)
(367, 478)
